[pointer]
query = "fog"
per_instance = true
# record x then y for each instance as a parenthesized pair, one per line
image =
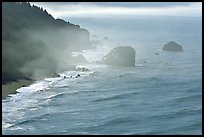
(35, 44)
(58, 47)
(39, 53)
(39, 45)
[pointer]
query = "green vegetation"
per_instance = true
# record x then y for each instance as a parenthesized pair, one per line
(35, 44)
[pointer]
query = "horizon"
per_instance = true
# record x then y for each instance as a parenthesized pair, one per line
(121, 9)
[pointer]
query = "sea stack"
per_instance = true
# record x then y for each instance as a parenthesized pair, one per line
(172, 46)
(120, 56)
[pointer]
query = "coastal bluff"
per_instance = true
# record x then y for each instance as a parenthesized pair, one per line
(35, 43)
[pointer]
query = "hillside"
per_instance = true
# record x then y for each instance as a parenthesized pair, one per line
(36, 44)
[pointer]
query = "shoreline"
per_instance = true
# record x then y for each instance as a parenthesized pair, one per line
(11, 87)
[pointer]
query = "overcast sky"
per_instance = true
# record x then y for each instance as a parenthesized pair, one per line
(110, 9)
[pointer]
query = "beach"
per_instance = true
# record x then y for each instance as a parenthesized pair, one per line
(10, 88)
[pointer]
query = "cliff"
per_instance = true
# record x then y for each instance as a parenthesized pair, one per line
(36, 44)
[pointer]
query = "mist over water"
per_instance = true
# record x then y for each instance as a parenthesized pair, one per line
(161, 95)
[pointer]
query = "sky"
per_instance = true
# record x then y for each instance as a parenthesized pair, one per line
(119, 9)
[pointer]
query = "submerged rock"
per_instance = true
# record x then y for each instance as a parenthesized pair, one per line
(172, 46)
(120, 56)
(77, 76)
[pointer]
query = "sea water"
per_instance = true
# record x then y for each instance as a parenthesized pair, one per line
(162, 94)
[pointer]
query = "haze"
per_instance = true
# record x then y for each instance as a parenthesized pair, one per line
(121, 9)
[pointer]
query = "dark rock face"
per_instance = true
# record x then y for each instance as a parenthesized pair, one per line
(120, 56)
(172, 46)
(54, 75)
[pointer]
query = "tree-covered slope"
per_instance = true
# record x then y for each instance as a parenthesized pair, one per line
(36, 44)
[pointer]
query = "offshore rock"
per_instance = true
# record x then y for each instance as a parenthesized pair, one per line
(120, 56)
(172, 46)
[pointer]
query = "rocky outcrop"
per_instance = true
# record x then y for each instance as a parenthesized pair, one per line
(120, 56)
(54, 75)
(172, 46)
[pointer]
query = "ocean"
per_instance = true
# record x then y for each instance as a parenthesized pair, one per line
(162, 94)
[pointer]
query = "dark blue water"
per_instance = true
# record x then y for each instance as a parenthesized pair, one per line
(161, 95)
